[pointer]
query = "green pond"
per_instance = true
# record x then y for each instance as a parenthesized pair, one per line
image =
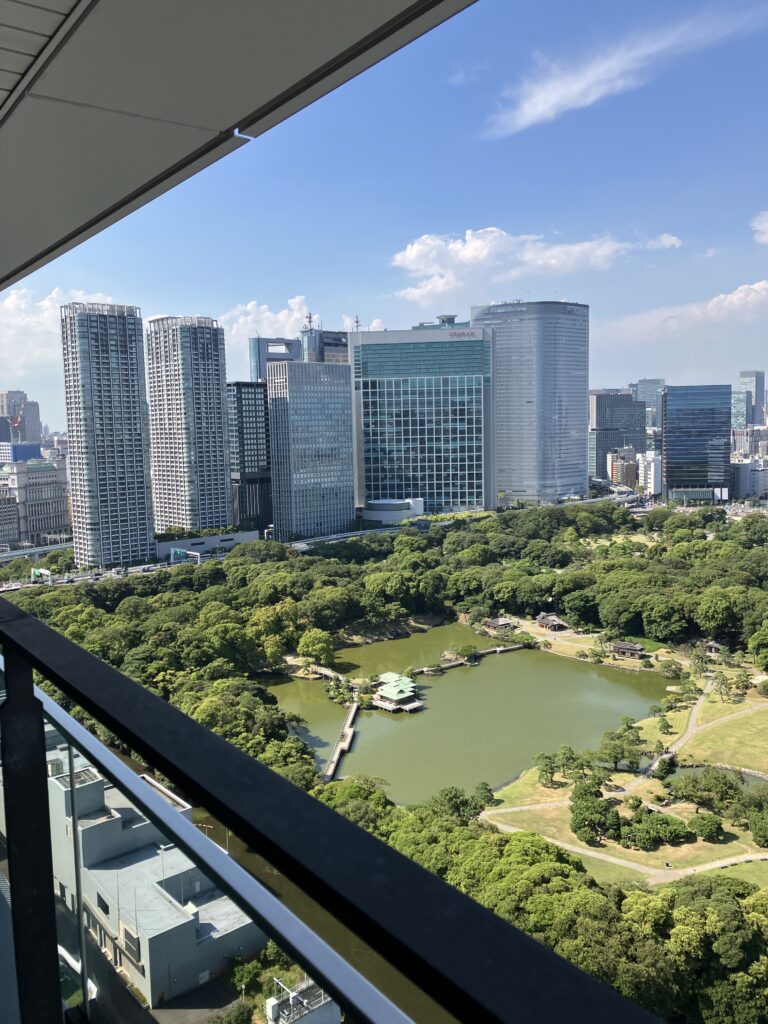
(481, 723)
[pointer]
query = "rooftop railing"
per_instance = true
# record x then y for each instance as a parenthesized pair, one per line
(335, 898)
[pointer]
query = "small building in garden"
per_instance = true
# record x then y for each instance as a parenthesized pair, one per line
(492, 626)
(624, 649)
(547, 620)
(396, 693)
(713, 649)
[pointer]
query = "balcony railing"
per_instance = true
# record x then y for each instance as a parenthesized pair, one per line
(464, 962)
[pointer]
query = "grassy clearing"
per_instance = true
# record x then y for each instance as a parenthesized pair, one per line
(526, 789)
(652, 646)
(678, 720)
(606, 873)
(754, 871)
(713, 708)
(741, 741)
(554, 823)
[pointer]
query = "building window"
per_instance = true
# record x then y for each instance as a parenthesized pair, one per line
(102, 904)
(132, 945)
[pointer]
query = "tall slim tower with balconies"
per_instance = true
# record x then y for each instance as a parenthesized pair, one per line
(108, 433)
(541, 385)
(187, 382)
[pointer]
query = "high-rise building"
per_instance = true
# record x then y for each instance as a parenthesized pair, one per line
(621, 466)
(108, 433)
(186, 379)
(314, 346)
(541, 372)
(10, 451)
(424, 417)
(616, 421)
(310, 436)
(263, 351)
(648, 390)
(742, 409)
(9, 519)
(319, 346)
(23, 416)
(39, 488)
(754, 381)
(696, 442)
(649, 473)
(248, 412)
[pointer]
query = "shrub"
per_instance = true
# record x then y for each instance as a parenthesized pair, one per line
(708, 826)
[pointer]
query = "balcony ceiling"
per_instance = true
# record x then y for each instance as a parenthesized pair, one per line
(105, 104)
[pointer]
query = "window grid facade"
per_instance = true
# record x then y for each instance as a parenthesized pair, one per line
(310, 430)
(423, 437)
(249, 454)
(423, 403)
(541, 373)
(616, 420)
(108, 434)
(186, 375)
(696, 442)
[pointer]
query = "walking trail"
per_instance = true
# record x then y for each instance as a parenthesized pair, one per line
(652, 875)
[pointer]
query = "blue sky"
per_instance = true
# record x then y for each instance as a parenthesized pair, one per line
(613, 154)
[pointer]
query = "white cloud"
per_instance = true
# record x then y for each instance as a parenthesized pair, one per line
(759, 225)
(30, 345)
(554, 89)
(249, 319)
(465, 75)
(348, 323)
(442, 264)
(690, 343)
(664, 241)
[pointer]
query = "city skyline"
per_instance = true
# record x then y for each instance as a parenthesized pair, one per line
(651, 221)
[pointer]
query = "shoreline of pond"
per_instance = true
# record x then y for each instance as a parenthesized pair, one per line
(483, 725)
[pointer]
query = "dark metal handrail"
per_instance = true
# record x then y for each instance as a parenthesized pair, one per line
(461, 955)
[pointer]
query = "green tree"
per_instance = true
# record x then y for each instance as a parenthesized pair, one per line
(708, 826)
(317, 644)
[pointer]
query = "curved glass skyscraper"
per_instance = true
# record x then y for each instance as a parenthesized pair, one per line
(541, 385)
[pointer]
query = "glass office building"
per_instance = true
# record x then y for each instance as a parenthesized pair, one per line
(423, 417)
(754, 381)
(696, 442)
(249, 454)
(648, 390)
(616, 420)
(263, 351)
(310, 437)
(741, 409)
(541, 372)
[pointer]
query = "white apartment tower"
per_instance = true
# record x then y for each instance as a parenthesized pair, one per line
(541, 388)
(108, 433)
(187, 382)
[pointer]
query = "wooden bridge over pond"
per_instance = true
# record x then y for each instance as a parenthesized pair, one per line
(344, 742)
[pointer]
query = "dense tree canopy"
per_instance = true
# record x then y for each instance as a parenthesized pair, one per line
(205, 637)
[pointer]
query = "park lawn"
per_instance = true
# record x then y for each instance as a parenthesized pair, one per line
(554, 823)
(713, 708)
(650, 791)
(755, 871)
(606, 873)
(652, 646)
(526, 789)
(678, 720)
(742, 742)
